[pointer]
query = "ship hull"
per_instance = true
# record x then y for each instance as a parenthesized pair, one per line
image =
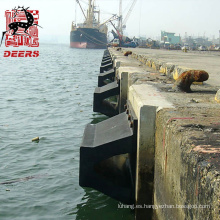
(88, 38)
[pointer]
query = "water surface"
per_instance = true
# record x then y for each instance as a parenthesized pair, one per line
(51, 97)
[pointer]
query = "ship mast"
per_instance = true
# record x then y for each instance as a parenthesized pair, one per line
(90, 14)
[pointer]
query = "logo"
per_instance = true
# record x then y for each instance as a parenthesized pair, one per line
(21, 30)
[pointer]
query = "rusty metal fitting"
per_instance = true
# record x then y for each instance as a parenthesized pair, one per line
(129, 117)
(127, 53)
(131, 124)
(185, 80)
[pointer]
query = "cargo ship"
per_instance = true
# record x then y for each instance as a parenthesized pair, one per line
(90, 34)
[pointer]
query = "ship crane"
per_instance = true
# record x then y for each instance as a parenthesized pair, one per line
(128, 14)
(122, 22)
(114, 17)
(119, 34)
(123, 40)
(81, 8)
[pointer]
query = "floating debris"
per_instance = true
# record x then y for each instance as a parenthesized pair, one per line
(36, 139)
(22, 179)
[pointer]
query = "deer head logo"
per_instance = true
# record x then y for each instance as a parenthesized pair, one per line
(15, 25)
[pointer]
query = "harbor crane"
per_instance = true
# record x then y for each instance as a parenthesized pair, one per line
(122, 22)
(128, 14)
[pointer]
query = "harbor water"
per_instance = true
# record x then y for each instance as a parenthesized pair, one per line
(51, 97)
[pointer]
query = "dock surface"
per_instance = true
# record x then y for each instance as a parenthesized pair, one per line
(203, 60)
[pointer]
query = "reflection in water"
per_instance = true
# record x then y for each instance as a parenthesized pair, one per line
(97, 206)
(49, 97)
(97, 117)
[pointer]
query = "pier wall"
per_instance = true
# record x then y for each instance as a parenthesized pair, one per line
(178, 139)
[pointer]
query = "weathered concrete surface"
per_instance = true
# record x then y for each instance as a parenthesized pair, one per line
(119, 60)
(217, 96)
(191, 109)
(204, 60)
(146, 110)
(180, 141)
(124, 74)
(127, 70)
(187, 164)
(187, 155)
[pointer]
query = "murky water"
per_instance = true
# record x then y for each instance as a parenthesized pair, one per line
(51, 97)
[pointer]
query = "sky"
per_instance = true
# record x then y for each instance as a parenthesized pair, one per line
(148, 18)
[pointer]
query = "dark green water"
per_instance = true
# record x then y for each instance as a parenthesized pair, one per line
(51, 97)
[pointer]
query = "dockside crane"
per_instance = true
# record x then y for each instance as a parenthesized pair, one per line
(123, 40)
(128, 14)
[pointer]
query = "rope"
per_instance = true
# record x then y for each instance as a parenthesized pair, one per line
(89, 38)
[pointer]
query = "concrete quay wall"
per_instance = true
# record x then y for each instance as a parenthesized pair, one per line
(178, 139)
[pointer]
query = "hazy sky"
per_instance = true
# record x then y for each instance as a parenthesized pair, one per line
(148, 18)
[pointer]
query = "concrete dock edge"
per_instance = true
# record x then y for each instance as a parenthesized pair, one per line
(178, 151)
